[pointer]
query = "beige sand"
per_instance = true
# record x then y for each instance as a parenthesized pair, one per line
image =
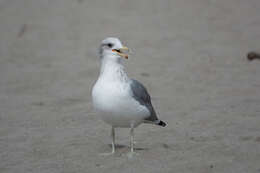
(190, 54)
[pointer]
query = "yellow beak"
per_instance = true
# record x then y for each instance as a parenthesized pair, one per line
(121, 52)
(124, 48)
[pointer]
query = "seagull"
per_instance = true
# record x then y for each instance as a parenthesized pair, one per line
(123, 102)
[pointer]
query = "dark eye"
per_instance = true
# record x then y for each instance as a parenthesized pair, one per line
(110, 45)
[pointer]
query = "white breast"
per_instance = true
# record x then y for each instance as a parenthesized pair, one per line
(113, 99)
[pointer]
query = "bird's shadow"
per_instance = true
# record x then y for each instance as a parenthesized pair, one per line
(124, 147)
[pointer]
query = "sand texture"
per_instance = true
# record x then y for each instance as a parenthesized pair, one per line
(190, 54)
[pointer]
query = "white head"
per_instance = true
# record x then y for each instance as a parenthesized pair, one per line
(113, 49)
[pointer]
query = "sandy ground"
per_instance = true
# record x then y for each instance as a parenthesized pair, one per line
(190, 54)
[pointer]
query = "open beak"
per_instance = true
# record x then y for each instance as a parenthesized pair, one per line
(122, 52)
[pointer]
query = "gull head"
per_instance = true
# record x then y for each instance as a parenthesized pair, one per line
(113, 49)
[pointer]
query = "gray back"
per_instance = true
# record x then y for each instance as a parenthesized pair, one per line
(141, 95)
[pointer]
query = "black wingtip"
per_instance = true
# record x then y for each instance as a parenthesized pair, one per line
(161, 123)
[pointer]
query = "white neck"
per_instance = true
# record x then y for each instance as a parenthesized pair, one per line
(112, 69)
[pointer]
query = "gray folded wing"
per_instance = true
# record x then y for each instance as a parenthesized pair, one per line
(141, 95)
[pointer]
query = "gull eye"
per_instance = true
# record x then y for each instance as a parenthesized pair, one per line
(110, 45)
